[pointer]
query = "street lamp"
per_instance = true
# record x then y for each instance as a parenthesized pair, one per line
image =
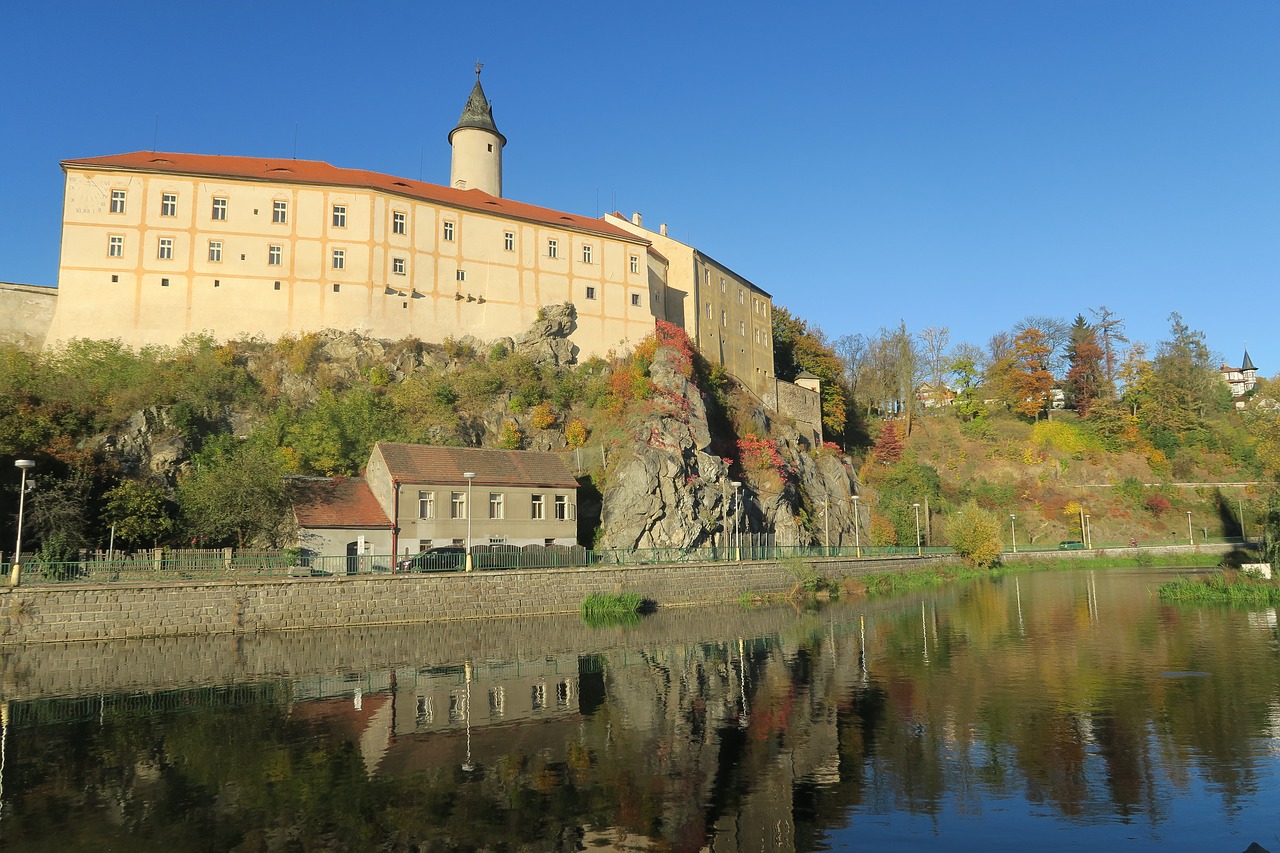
(1088, 532)
(737, 517)
(919, 551)
(26, 465)
(1191, 539)
(469, 475)
(857, 540)
(826, 528)
(1013, 531)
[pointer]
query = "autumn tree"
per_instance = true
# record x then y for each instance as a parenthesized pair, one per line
(1029, 376)
(888, 449)
(1110, 334)
(975, 535)
(1085, 378)
(798, 347)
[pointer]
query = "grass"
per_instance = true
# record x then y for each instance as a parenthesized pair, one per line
(616, 608)
(892, 583)
(1228, 587)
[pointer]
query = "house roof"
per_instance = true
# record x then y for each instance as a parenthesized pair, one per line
(478, 113)
(425, 463)
(335, 502)
(323, 174)
(1248, 362)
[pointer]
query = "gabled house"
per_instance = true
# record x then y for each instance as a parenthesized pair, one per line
(1240, 379)
(512, 497)
(339, 515)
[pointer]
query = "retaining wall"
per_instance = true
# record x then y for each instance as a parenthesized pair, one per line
(78, 612)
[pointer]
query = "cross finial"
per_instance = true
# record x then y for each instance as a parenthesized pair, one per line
(479, 65)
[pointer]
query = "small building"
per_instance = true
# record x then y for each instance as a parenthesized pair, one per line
(339, 515)
(512, 497)
(1240, 380)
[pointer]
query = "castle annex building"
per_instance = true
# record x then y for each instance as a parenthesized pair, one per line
(157, 246)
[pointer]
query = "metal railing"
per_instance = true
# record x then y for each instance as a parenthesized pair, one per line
(169, 565)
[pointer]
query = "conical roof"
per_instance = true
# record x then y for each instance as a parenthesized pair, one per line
(477, 113)
(1248, 362)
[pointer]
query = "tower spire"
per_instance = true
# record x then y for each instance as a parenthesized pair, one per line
(477, 145)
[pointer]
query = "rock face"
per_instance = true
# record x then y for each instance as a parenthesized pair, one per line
(668, 491)
(146, 446)
(547, 341)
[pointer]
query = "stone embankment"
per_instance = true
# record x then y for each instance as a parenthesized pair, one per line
(84, 612)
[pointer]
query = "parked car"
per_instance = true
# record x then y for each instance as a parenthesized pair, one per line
(1071, 545)
(450, 558)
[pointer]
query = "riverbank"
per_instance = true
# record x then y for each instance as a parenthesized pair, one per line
(87, 612)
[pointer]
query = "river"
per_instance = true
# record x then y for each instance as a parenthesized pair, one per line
(1065, 710)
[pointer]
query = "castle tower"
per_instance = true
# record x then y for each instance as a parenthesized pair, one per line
(477, 146)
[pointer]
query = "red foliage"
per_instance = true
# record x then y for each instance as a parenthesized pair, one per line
(1158, 504)
(760, 454)
(888, 449)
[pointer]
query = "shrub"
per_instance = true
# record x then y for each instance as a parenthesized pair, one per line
(975, 535)
(542, 416)
(509, 436)
(575, 433)
(1158, 504)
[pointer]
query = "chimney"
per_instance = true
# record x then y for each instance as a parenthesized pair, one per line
(636, 220)
(662, 229)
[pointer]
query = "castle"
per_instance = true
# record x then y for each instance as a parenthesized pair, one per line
(157, 246)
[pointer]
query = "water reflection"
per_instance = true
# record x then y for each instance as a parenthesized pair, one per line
(1051, 710)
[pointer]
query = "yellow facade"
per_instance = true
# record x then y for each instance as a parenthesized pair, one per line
(188, 253)
(728, 317)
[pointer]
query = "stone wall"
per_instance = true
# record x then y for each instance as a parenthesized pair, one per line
(802, 405)
(25, 314)
(83, 612)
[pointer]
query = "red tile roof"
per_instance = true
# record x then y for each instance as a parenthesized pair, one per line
(318, 172)
(335, 502)
(422, 463)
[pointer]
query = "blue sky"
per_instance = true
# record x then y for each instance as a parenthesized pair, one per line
(957, 164)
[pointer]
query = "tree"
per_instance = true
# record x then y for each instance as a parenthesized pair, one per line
(1184, 372)
(888, 449)
(139, 514)
(1055, 333)
(965, 374)
(1085, 379)
(235, 494)
(975, 535)
(1110, 330)
(934, 342)
(1030, 379)
(798, 347)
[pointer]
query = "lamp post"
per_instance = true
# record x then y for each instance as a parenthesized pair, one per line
(1088, 532)
(26, 465)
(826, 528)
(1013, 531)
(469, 475)
(1191, 539)
(737, 517)
(919, 550)
(857, 539)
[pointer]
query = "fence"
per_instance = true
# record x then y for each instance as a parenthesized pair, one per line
(229, 564)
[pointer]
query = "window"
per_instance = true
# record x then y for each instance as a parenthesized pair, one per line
(426, 504)
(461, 275)
(708, 310)
(497, 540)
(339, 259)
(220, 209)
(508, 241)
(337, 288)
(553, 248)
(215, 251)
(117, 201)
(757, 336)
(280, 212)
(165, 251)
(497, 701)
(448, 232)
(458, 505)
(276, 286)
(399, 222)
(164, 282)
(495, 505)
(706, 277)
(169, 204)
(722, 285)
(115, 246)
(564, 692)
(339, 216)
(586, 254)
(635, 263)
(742, 328)
(724, 318)
(538, 510)
(275, 255)
(742, 297)
(564, 510)
(635, 299)
(457, 706)
(397, 266)
(538, 697)
(591, 292)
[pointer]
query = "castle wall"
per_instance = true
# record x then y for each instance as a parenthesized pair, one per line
(215, 259)
(803, 405)
(26, 312)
